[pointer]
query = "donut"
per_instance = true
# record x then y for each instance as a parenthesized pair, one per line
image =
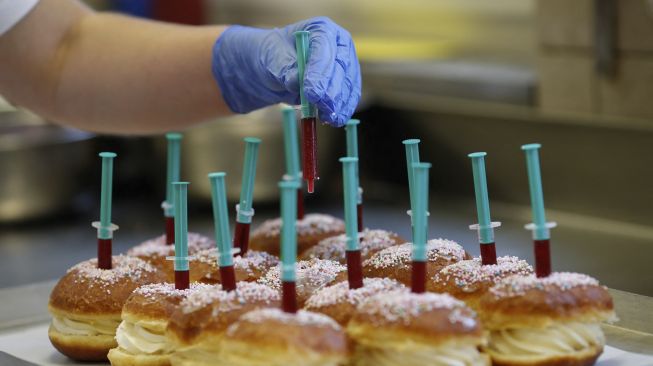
(396, 262)
(339, 301)
(249, 267)
(310, 230)
(274, 338)
(199, 322)
(311, 276)
(553, 320)
(370, 242)
(141, 335)
(155, 251)
(87, 302)
(410, 329)
(469, 280)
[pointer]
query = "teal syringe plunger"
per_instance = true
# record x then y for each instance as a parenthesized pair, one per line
(291, 149)
(540, 227)
(351, 131)
(173, 173)
(244, 209)
(181, 258)
(290, 145)
(412, 157)
(485, 226)
(222, 235)
(104, 227)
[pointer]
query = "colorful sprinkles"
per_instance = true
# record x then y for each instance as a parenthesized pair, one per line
(123, 267)
(311, 224)
(469, 275)
(158, 246)
(311, 275)
(370, 241)
(518, 285)
(402, 254)
(221, 301)
(252, 260)
(155, 290)
(341, 293)
(403, 307)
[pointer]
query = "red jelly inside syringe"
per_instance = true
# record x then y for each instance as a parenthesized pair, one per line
(309, 152)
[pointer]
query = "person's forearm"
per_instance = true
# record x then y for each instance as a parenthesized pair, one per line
(138, 77)
(111, 73)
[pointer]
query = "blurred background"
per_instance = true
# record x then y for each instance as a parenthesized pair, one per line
(461, 75)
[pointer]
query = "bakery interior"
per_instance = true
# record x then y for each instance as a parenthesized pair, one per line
(461, 75)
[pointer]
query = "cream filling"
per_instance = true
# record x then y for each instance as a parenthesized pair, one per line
(556, 340)
(86, 328)
(420, 355)
(137, 339)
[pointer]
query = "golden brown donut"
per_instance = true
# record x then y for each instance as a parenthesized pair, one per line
(86, 304)
(155, 251)
(310, 230)
(198, 324)
(396, 262)
(141, 335)
(273, 338)
(339, 301)
(469, 280)
(250, 267)
(409, 329)
(370, 242)
(311, 276)
(547, 321)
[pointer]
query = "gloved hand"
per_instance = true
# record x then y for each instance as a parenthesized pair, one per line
(258, 67)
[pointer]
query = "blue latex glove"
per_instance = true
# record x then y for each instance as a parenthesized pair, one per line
(258, 67)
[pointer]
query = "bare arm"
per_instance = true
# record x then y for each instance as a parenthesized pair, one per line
(109, 73)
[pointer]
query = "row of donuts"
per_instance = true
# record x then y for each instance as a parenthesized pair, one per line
(530, 321)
